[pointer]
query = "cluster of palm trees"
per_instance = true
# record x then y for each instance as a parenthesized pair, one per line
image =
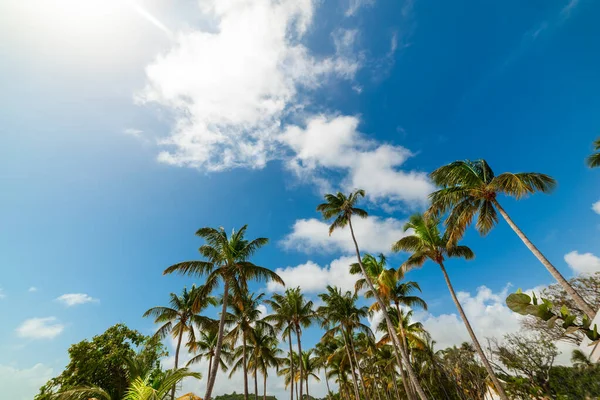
(364, 368)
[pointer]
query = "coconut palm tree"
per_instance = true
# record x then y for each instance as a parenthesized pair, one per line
(264, 354)
(310, 367)
(427, 243)
(181, 317)
(343, 208)
(291, 313)
(243, 318)
(205, 348)
(227, 261)
(470, 188)
(148, 387)
(593, 160)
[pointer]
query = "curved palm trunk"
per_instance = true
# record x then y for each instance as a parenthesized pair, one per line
(176, 361)
(245, 365)
(360, 372)
(484, 359)
(215, 367)
(291, 366)
(327, 380)
(300, 360)
(388, 321)
(583, 305)
(352, 371)
(407, 386)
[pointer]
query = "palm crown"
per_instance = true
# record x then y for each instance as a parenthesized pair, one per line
(469, 188)
(342, 207)
(593, 160)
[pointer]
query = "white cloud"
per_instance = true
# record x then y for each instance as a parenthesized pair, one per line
(355, 5)
(230, 84)
(596, 207)
(137, 133)
(32, 289)
(333, 143)
(2, 294)
(585, 263)
(312, 278)
(23, 384)
(373, 234)
(73, 299)
(40, 328)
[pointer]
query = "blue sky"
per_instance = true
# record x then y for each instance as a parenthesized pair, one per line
(126, 127)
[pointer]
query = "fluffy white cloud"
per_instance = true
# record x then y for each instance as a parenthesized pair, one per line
(333, 143)
(23, 384)
(596, 207)
(585, 263)
(230, 83)
(374, 234)
(73, 299)
(313, 278)
(40, 328)
(32, 289)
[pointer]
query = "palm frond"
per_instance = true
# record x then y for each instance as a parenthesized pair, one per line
(522, 184)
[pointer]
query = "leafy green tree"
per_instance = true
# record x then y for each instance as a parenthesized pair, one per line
(227, 262)
(470, 188)
(105, 362)
(180, 318)
(427, 243)
(341, 209)
(593, 160)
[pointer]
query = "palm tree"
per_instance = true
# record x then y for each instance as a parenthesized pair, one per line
(148, 387)
(342, 208)
(310, 366)
(427, 243)
(340, 314)
(324, 350)
(205, 348)
(227, 262)
(593, 160)
(181, 317)
(243, 318)
(264, 353)
(580, 359)
(292, 312)
(470, 187)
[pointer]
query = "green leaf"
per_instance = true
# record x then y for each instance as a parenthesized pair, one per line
(552, 321)
(518, 302)
(564, 311)
(535, 300)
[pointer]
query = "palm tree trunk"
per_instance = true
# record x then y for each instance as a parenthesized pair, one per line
(210, 360)
(291, 366)
(386, 316)
(484, 359)
(352, 371)
(300, 359)
(255, 385)
(307, 394)
(396, 386)
(360, 372)
(265, 386)
(327, 380)
(177, 360)
(407, 387)
(215, 367)
(583, 305)
(245, 365)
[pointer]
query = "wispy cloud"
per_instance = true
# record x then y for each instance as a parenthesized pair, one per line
(355, 5)
(32, 289)
(133, 132)
(40, 328)
(2, 294)
(150, 18)
(596, 207)
(73, 299)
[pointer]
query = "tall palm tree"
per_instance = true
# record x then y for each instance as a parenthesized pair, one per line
(342, 208)
(148, 387)
(324, 350)
(427, 243)
(205, 348)
(468, 188)
(310, 366)
(291, 313)
(227, 261)
(181, 317)
(265, 354)
(243, 318)
(593, 160)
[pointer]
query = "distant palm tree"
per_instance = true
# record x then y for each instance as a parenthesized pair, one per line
(147, 387)
(342, 208)
(292, 312)
(310, 366)
(205, 348)
(427, 243)
(580, 359)
(264, 354)
(227, 262)
(181, 317)
(593, 161)
(470, 188)
(243, 318)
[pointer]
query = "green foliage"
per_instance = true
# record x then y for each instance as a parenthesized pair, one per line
(525, 305)
(593, 160)
(574, 383)
(235, 396)
(105, 362)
